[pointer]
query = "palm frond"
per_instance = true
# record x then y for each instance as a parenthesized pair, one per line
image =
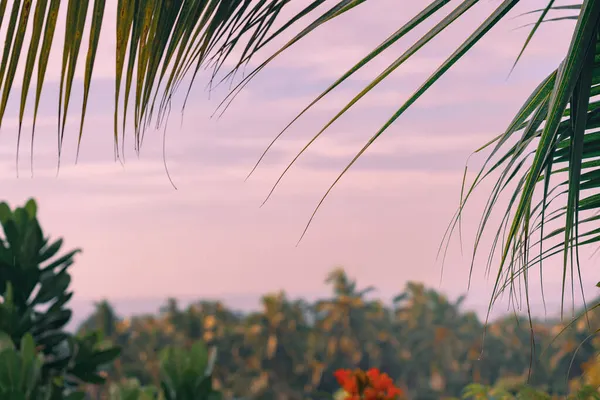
(562, 127)
(555, 133)
(160, 43)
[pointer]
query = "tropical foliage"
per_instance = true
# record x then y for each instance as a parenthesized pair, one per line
(34, 282)
(158, 44)
(427, 343)
(427, 346)
(39, 359)
(545, 159)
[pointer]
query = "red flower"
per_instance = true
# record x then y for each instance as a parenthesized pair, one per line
(372, 385)
(347, 381)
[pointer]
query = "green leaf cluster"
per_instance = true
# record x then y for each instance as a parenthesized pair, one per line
(187, 375)
(34, 312)
(39, 358)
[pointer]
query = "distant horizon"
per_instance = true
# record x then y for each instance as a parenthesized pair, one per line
(250, 302)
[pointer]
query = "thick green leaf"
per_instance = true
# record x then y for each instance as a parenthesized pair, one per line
(104, 357)
(52, 287)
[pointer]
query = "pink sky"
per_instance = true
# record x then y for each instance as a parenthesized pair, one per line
(383, 223)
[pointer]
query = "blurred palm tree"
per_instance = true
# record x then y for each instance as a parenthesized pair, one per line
(546, 159)
(290, 348)
(436, 336)
(103, 319)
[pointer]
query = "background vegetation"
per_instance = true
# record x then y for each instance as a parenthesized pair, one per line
(547, 161)
(291, 347)
(288, 350)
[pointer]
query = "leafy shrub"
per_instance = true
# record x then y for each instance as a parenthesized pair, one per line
(187, 374)
(21, 370)
(39, 359)
(34, 283)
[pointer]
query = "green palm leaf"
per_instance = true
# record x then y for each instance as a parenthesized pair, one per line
(95, 29)
(76, 17)
(8, 42)
(554, 132)
(160, 43)
(49, 30)
(38, 23)
(553, 128)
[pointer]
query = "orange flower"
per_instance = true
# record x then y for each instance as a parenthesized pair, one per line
(378, 380)
(372, 385)
(346, 380)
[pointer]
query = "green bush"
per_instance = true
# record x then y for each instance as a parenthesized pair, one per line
(187, 374)
(20, 370)
(39, 359)
(34, 282)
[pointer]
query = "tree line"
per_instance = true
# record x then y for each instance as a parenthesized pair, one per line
(291, 347)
